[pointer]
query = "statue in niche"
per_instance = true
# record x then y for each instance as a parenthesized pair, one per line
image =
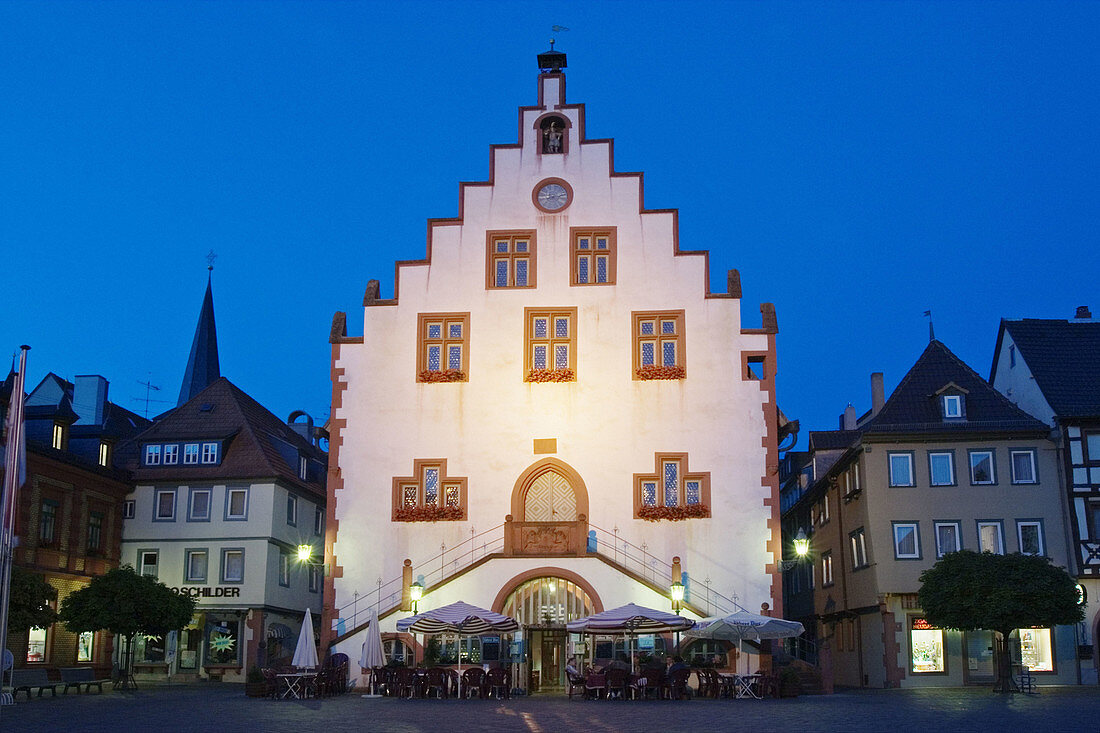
(552, 136)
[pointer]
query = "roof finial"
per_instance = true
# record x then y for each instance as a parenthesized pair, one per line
(210, 257)
(552, 61)
(931, 331)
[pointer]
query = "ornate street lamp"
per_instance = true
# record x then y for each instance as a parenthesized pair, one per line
(801, 543)
(304, 553)
(416, 592)
(676, 592)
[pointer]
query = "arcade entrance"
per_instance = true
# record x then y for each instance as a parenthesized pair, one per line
(542, 607)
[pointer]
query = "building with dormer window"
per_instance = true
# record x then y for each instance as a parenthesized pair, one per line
(553, 414)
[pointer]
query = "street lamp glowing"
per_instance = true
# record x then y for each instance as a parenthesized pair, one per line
(416, 592)
(676, 591)
(801, 543)
(304, 552)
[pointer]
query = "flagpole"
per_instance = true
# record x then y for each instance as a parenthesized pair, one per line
(14, 476)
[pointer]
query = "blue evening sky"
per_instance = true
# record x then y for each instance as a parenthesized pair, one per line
(858, 162)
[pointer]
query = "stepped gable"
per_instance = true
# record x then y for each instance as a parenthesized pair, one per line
(1064, 358)
(257, 444)
(913, 407)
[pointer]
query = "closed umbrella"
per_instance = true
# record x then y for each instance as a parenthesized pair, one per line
(305, 653)
(373, 656)
(458, 618)
(745, 625)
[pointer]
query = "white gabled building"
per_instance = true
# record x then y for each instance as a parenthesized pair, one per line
(551, 409)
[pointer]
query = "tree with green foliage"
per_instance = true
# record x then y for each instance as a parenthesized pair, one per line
(31, 599)
(968, 591)
(126, 603)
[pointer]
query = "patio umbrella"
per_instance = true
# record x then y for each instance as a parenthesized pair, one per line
(458, 618)
(305, 653)
(745, 625)
(373, 655)
(630, 619)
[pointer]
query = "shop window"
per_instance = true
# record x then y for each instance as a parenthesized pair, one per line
(947, 538)
(1030, 535)
(859, 549)
(236, 503)
(550, 345)
(1023, 467)
(164, 509)
(222, 641)
(84, 646)
(429, 495)
(510, 260)
(95, 533)
(926, 650)
(1036, 650)
(659, 346)
(47, 522)
(196, 562)
(150, 648)
(593, 260)
(198, 509)
(906, 540)
(36, 646)
(901, 469)
(672, 491)
(443, 347)
(941, 468)
(982, 468)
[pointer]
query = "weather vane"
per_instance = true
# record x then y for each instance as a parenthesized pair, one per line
(556, 29)
(210, 257)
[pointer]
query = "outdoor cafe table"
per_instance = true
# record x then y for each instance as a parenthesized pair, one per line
(293, 684)
(743, 685)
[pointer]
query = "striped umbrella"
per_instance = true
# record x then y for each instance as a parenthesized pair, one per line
(458, 618)
(630, 619)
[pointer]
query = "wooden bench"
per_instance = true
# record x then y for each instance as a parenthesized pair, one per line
(81, 676)
(27, 679)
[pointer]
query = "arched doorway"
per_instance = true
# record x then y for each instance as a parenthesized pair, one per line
(549, 511)
(542, 601)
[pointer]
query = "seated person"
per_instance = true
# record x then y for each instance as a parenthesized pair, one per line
(677, 664)
(571, 670)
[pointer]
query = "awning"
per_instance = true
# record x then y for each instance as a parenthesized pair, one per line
(279, 631)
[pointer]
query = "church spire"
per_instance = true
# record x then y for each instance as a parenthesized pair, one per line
(202, 365)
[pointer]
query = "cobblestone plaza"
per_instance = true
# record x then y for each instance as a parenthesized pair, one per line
(214, 707)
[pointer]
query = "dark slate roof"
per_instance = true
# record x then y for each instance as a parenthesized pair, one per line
(202, 364)
(914, 407)
(833, 439)
(257, 445)
(1064, 358)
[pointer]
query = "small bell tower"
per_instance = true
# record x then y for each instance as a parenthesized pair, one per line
(551, 78)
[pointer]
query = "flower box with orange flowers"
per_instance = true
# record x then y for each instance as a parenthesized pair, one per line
(444, 375)
(551, 375)
(429, 513)
(652, 371)
(674, 513)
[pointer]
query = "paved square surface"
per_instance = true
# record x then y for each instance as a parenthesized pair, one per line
(223, 708)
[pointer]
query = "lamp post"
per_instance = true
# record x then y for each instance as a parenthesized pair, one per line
(801, 550)
(416, 592)
(676, 593)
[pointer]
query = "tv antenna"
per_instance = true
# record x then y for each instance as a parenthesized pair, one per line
(149, 389)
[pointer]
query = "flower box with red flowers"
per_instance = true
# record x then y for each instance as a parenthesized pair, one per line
(652, 371)
(444, 375)
(551, 375)
(674, 513)
(429, 514)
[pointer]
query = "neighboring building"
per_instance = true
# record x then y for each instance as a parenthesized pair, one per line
(1051, 368)
(69, 520)
(224, 494)
(553, 415)
(947, 463)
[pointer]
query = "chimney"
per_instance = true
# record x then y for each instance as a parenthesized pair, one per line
(90, 399)
(848, 421)
(878, 394)
(1083, 312)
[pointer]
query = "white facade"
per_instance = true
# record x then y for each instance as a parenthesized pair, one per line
(596, 432)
